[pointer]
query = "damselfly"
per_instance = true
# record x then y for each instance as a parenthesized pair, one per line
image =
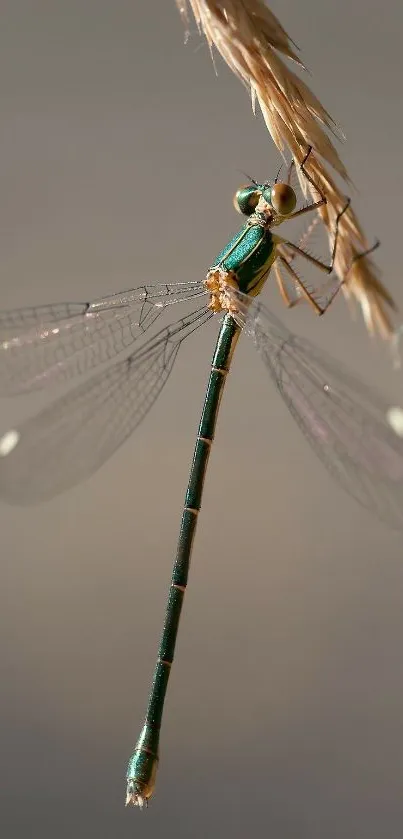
(344, 422)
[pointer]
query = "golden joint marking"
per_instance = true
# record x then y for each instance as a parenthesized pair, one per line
(180, 588)
(207, 440)
(165, 661)
(192, 510)
(222, 370)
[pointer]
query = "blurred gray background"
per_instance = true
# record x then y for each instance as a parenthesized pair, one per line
(284, 715)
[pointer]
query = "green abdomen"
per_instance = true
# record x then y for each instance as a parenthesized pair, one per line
(249, 255)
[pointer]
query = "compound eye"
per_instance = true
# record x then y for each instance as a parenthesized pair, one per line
(246, 199)
(283, 199)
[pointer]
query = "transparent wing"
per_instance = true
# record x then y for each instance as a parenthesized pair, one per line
(45, 344)
(344, 421)
(70, 439)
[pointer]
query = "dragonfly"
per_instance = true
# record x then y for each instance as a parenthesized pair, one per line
(122, 371)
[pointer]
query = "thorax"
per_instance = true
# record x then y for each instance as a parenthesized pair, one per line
(246, 259)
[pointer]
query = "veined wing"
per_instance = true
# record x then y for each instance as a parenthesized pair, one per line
(52, 343)
(68, 440)
(344, 421)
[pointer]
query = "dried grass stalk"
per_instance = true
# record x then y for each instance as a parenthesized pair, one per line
(254, 45)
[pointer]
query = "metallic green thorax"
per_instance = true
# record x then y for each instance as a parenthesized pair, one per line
(144, 761)
(248, 256)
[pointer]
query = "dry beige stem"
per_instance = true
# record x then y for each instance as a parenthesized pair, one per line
(251, 40)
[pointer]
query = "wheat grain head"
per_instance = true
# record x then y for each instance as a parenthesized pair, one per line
(255, 46)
